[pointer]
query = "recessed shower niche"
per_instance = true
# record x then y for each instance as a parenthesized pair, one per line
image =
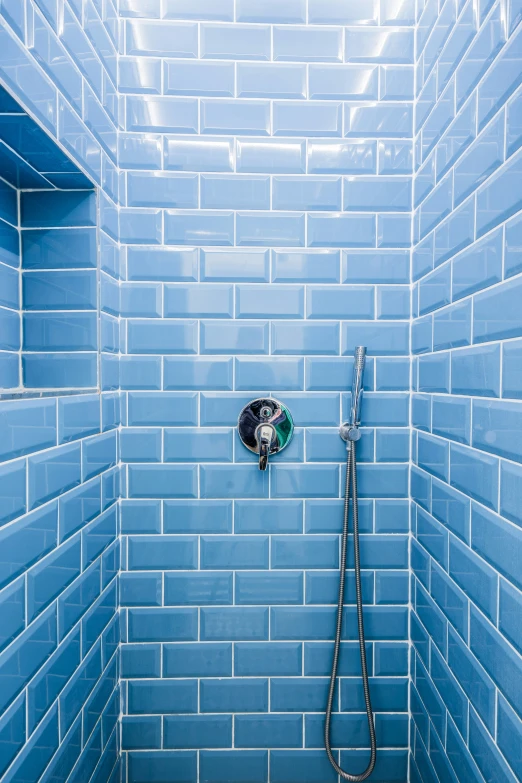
(49, 279)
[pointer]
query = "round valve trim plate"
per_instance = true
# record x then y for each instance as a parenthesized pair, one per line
(265, 411)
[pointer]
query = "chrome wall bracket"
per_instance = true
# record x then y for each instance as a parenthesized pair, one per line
(265, 427)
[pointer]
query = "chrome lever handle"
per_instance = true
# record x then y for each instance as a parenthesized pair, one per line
(264, 436)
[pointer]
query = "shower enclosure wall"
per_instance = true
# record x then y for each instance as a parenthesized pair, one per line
(256, 214)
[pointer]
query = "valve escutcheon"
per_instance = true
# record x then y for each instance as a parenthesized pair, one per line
(265, 415)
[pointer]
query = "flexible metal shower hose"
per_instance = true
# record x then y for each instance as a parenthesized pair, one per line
(351, 479)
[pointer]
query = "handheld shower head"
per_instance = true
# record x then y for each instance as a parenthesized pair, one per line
(357, 385)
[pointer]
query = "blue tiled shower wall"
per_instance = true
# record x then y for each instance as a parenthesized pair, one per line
(267, 160)
(59, 462)
(466, 481)
(256, 208)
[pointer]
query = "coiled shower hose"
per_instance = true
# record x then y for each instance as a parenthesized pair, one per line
(351, 481)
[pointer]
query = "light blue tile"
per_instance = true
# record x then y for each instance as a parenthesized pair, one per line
(395, 157)
(237, 117)
(199, 301)
(220, 191)
(306, 193)
(200, 9)
(346, 157)
(197, 516)
(148, 336)
(234, 337)
(479, 267)
(512, 264)
(393, 230)
(496, 313)
(305, 266)
(235, 42)
(396, 83)
(501, 81)
(349, 82)
(480, 55)
(476, 371)
(238, 481)
(452, 326)
(167, 39)
(194, 445)
(284, 229)
(78, 417)
(308, 118)
(271, 80)
(293, 337)
(53, 473)
(498, 199)
(27, 426)
(199, 228)
(163, 264)
(151, 481)
(393, 194)
(381, 121)
(196, 154)
(309, 481)
(382, 339)
(384, 266)
(235, 265)
(475, 474)
(481, 160)
(393, 302)
(140, 226)
(162, 189)
(197, 373)
(139, 75)
(500, 418)
(338, 230)
(341, 303)
(198, 78)
(365, 44)
(276, 373)
(271, 156)
(308, 44)
(293, 11)
(172, 115)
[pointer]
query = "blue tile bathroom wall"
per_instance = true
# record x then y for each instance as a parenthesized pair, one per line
(466, 698)
(59, 472)
(267, 164)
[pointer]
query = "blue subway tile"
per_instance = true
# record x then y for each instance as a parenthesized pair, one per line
(497, 541)
(284, 229)
(271, 80)
(196, 154)
(338, 230)
(232, 696)
(198, 78)
(293, 11)
(150, 481)
(192, 659)
(222, 191)
(199, 228)
(507, 733)
(195, 731)
(169, 552)
(223, 116)
(153, 625)
(497, 657)
(158, 765)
